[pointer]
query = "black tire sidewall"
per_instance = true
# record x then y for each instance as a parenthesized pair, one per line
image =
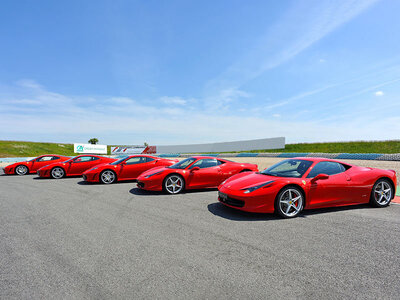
(101, 178)
(372, 200)
(278, 210)
(51, 172)
(26, 168)
(165, 181)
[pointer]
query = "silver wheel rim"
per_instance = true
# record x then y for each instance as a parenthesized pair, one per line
(174, 184)
(291, 202)
(107, 177)
(383, 193)
(21, 170)
(57, 173)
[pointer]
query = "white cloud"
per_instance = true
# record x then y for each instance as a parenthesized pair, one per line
(173, 100)
(379, 93)
(276, 115)
(321, 60)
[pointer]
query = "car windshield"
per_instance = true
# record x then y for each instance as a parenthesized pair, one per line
(288, 168)
(183, 163)
(68, 160)
(119, 161)
(32, 159)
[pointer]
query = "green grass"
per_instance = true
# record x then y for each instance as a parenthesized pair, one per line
(341, 147)
(24, 149)
(28, 149)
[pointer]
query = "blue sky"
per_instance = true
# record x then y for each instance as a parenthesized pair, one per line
(175, 72)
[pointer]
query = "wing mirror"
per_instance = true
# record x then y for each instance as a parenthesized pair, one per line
(320, 177)
(194, 169)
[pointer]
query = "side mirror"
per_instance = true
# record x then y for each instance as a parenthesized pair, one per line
(320, 177)
(194, 169)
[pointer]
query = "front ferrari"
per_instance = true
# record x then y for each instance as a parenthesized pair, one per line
(10, 169)
(93, 174)
(152, 180)
(252, 192)
(45, 172)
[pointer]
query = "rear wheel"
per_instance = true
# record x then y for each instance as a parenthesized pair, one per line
(57, 173)
(382, 193)
(21, 170)
(108, 177)
(174, 184)
(289, 202)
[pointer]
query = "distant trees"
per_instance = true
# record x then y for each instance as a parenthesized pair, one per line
(93, 141)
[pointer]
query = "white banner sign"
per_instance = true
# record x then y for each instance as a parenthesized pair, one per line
(89, 148)
(127, 150)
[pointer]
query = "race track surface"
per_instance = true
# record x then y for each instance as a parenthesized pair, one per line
(66, 239)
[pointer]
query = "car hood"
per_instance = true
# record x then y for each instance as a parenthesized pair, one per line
(245, 180)
(100, 167)
(52, 165)
(154, 170)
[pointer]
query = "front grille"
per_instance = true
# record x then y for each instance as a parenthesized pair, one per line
(224, 198)
(140, 184)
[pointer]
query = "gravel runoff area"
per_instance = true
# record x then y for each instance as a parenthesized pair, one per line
(67, 239)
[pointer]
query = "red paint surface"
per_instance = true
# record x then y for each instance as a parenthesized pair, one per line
(350, 187)
(34, 164)
(205, 177)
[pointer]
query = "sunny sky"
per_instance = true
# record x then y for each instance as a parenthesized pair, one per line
(176, 72)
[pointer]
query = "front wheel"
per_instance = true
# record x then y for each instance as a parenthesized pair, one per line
(21, 170)
(289, 202)
(57, 173)
(174, 184)
(107, 177)
(382, 193)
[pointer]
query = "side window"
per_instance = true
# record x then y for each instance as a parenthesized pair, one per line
(135, 160)
(83, 159)
(220, 162)
(204, 163)
(326, 167)
(45, 158)
(149, 159)
(55, 158)
(95, 158)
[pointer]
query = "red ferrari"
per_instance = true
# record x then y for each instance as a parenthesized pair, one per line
(292, 185)
(196, 172)
(73, 167)
(31, 166)
(127, 168)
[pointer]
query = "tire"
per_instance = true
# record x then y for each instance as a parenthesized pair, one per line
(107, 177)
(289, 202)
(21, 170)
(382, 193)
(173, 184)
(57, 173)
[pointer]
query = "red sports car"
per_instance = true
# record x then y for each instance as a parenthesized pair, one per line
(196, 172)
(127, 168)
(31, 166)
(292, 185)
(74, 166)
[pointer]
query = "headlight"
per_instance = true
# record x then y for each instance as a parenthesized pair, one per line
(148, 176)
(253, 188)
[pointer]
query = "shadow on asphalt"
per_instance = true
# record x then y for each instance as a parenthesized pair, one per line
(83, 182)
(137, 191)
(229, 213)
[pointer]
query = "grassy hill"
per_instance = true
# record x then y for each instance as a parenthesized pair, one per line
(386, 147)
(26, 149)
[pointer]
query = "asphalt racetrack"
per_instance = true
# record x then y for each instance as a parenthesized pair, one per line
(67, 239)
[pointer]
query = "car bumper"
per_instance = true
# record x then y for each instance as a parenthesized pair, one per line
(90, 177)
(238, 200)
(8, 171)
(149, 185)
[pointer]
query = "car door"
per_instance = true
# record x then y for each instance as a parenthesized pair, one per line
(82, 163)
(227, 169)
(134, 166)
(332, 191)
(41, 162)
(208, 174)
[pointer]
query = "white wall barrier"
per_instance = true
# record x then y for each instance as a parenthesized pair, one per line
(248, 145)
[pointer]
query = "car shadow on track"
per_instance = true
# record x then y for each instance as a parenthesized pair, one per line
(83, 182)
(229, 213)
(140, 192)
